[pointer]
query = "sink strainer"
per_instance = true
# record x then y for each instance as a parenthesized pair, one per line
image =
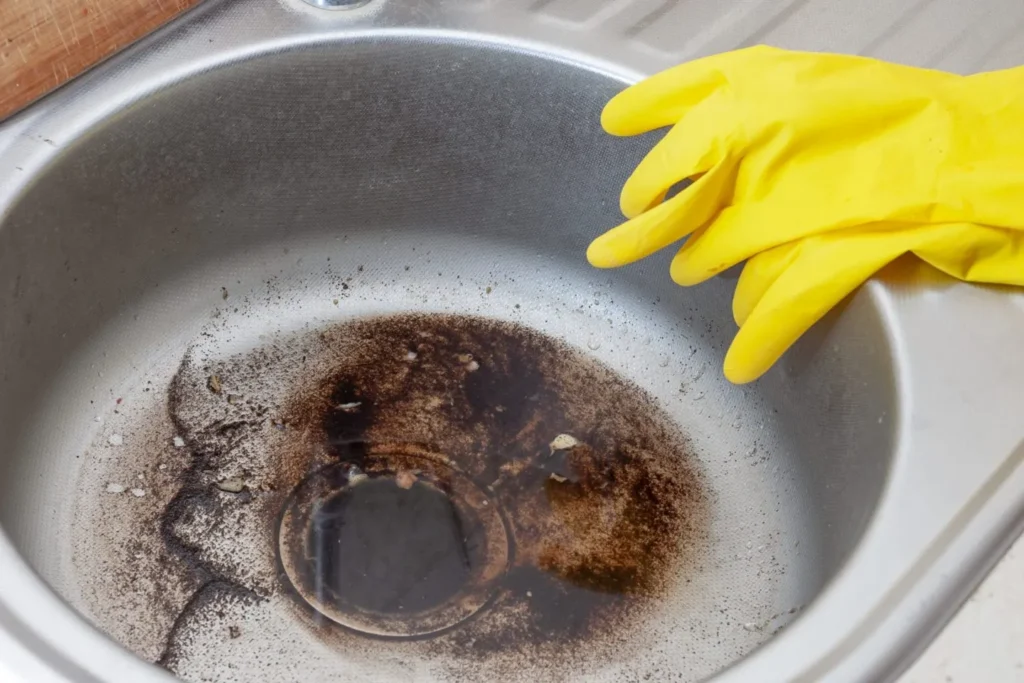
(408, 549)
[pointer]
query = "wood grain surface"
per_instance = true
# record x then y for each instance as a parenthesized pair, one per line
(44, 43)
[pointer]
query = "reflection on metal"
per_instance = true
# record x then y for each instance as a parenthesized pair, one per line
(337, 4)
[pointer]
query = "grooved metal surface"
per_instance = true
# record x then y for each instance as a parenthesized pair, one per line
(941, 34)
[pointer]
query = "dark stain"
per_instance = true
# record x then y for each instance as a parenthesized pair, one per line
(213, 594)
(598, 531)
(345, 422)
(597, 528)
(194, 496)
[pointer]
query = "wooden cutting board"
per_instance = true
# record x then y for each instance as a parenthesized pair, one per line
(44, 43)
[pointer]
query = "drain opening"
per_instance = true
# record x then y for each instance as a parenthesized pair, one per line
(386, 548)
(408, 548)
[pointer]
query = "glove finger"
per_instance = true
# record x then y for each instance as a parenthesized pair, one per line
(759, 273)
(784, 291)
(738, 233)
(713, 251)
(823, 270)
(703, 137)
(664, 224)
(969, 252)
(663, 99)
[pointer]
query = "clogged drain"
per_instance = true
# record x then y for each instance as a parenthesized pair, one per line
(468, 486)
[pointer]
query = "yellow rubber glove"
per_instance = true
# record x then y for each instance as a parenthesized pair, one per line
(820, 169)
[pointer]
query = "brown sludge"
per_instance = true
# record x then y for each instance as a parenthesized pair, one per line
(599, 529)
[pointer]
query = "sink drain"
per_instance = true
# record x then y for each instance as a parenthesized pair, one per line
(409, 547)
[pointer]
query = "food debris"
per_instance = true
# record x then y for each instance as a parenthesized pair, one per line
(224, 293)
(405, 479)
(335, 302)
(214, 384)
(563, 442)
(349, 407)
(514, 467)
(138, 493)
(558, 478)
(116, 439)
(234, 398)
(411, 355)
(356, 475)
(750, 626)
(115, 488)
(231, 485)
(162, 466)
(467, 360)
(178, 442)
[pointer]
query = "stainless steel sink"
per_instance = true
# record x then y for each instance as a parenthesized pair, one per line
(274, 242)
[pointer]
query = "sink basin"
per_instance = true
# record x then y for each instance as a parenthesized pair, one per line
(292, 295)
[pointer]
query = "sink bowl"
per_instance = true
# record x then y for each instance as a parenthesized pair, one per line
(294, 298)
